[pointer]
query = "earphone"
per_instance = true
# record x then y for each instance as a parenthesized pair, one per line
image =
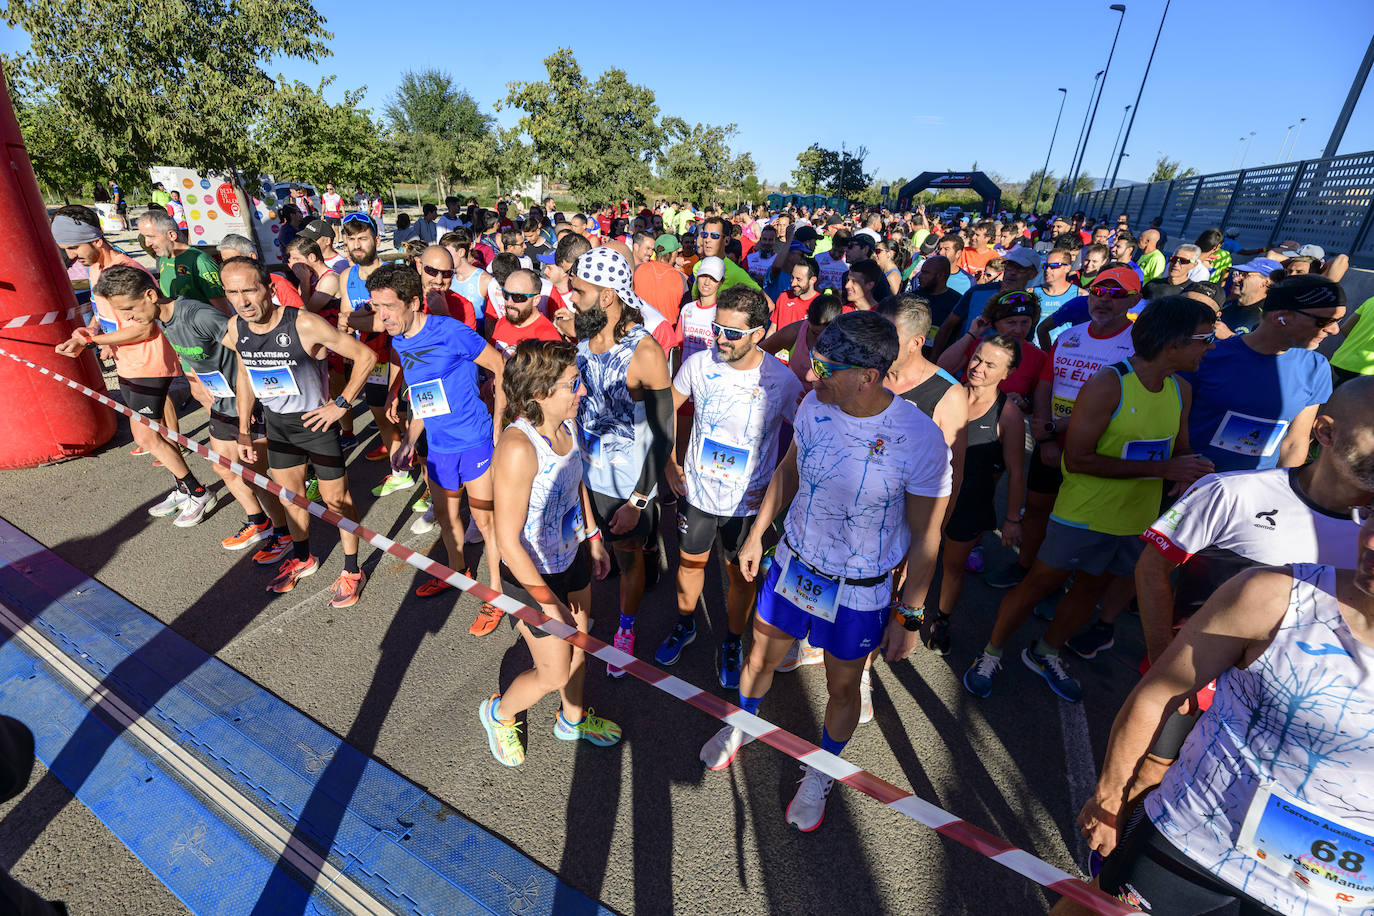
(1283, 321)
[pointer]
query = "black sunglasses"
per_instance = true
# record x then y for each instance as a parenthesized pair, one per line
(516, 297)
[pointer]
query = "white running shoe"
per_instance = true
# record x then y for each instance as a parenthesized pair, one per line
(474, 534)
(807, 809)
(800, 653)
(194, 509)
(723, 746)
(172, 503)
(866, 697)
(425, 523)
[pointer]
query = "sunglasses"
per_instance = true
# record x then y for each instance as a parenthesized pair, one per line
(709, 235)
(1109, 292)
(516, 297)
(824, 368)
(1052, 265)
(358, 218)
(1322, 321)
(732, 334)
(437, 272)
(1014, 298)
(574, 385)
(1177, 260)
(1206, 338)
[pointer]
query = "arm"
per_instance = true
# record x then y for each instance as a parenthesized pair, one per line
(924, 515)
(783, 338)
(949, 327)
(1336, 267)
(596, 546)
(648, 376)
(951, 415)
(780, 491)
(244, 397)
(1092, 412)
(326, 291)
(1011, 429)
(1154, 592)
(514, 465)
(130, 333)
(1298, 440)
(317, 334)
(490, 360)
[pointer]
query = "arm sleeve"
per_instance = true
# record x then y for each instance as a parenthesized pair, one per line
(658, 411)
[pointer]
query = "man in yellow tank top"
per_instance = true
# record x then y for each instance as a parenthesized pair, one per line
(1127, 435)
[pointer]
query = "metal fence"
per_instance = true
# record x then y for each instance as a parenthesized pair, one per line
(1325, 202)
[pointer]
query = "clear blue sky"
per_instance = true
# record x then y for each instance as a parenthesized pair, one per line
(1240, 66)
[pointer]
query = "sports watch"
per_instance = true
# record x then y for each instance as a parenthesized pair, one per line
(639, 502)
(341, 402)
(912, 617)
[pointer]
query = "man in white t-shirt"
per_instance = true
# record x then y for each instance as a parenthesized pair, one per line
(332, 206)
(760, 260)
(741, 396)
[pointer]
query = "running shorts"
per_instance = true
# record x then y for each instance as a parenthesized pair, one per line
(290, 444)
(576, 577)
(454, 470)
(697, 531)
(853, 634)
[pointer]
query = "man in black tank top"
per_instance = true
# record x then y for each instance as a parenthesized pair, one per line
(281, 362)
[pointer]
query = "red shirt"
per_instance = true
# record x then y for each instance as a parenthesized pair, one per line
(790, 308)
(506, 335)
(285, 292)
(459, 307)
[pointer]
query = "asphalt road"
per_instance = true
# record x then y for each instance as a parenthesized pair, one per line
(641, 827)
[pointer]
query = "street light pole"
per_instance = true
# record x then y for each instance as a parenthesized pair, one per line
(1139, 93)
(1087, 134)
(1284, 145)
(1293, 150)
(1236, 157)
(1356, 87)
(1078, 145)
(1247, 149)
(1107, 170)
(1062, 99)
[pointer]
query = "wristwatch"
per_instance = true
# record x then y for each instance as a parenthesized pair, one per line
(912, 617)
(341, 403)
(1049, 430)
(639, 502)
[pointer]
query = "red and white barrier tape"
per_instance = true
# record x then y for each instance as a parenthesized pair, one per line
(39, 319)
(961, 831)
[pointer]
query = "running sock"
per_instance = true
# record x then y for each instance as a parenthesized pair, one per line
(301, 550)
(1044, 649)
(257, 518)
(351, 563)
(626, 622)
(750, 704)
(566, 721)
(281, 532)
(188, 484)
(830, 744)
(992, 650)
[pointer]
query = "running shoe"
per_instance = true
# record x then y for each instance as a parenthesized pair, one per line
(502, 737)
(396, 480)
(684, 633)
(974, 563)
(348, 441)
(718, 753)
(248, 534)
(425, 523)
(488, 616)
(172, 502)
(312, 489)
(801, 653)
(432, 586)
(866, 697)
(473, 534)
(347, 589)
(1097, 638)
(807, 809)
(291, 571)
(273, 551)
(729, 663)
(376, 454)
(599, 731)
(194, 509)
(1051, 668)
(624, 640)
(1009, 577)
(978, 677)
(138, 451)
(422, 503)
(937, 640)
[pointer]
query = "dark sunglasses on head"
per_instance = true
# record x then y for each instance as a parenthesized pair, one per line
(1103, 291)
(438, 272)
(516, 297)
(731, 334)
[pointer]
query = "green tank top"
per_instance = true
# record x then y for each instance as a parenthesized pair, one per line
(1142, 429)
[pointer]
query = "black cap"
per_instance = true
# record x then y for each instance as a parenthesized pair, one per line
(316, 229)
(1214, 291)
(805, 234)
(835, 221)
(1304, 291)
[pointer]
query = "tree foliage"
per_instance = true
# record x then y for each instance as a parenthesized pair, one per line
(698, 164)
(1167, 169)
(432, 120)
(599, 136)
(306, 138)
(499, 154)
(827, 171)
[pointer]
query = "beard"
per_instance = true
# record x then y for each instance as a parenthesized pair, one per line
(1360, 465)
(588, 323)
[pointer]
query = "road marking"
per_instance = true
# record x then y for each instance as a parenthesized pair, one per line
(1078, 756)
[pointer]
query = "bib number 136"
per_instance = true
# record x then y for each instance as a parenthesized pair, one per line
(814, 593)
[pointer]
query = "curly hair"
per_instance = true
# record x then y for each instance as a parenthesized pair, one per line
(531, 374)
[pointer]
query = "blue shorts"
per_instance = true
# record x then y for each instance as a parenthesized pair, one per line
(853, 635)
(454, 470)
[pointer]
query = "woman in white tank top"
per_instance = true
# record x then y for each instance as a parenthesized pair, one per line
(548, 552)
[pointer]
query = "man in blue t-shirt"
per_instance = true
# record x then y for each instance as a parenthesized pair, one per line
(1256, 395)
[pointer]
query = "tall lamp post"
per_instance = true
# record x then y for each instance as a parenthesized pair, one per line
(1140, 92)
(1112, 157)
(1087, 135)
(1247, 149)
(1041, 183)
(1078, 144)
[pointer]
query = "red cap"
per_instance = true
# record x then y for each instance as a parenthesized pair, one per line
(1124, 277)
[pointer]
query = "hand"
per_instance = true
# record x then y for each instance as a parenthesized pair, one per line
(321, 418)
(392, 413)
(72, 347)
(106, 353)
(1185, 469)
(247, 454)
(674, 474)
(563, 320)
(601, 558)
(1050, 452)
(625, 519)
(898, 642)
(1011, 533)
(980, 326)
(750, 555)
(1093, 823)
(559, 611)
(403, 456)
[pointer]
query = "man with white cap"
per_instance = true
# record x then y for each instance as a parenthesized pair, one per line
(1022, 267)
(624, 419)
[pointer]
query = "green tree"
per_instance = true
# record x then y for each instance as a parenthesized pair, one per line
(598, 136)
(850, 179)
(306, 138)
(1048, 188)
(697, 161)
(1084, 184)
(432, 117)
(499, 154)
(816, 169)
(1167, 169)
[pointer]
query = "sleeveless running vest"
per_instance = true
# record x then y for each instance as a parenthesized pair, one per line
(1287, 741)
(285, 378)
(615, 432)
(553, 524)
(927, 394)
(1142, 429)
(471, 290)
(983, 456)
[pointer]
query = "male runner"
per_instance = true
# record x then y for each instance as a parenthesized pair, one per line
(522, 319)
(792, 305)
(322, 233)
(281, 363)
(741, 396)
(469, 281)
(182, 270)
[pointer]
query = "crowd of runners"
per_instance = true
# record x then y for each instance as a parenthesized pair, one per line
(849, 407)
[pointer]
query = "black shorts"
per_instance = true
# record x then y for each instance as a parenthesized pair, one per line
(226, 428)
(697, 530)
(1148, 871)
(375, 395)
(975, 510)
(290, 445)
(1042, 477)
(604, 508)
(122, 207)
(573, 579)
(146, 396)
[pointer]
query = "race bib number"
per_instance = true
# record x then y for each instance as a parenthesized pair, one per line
(814, 593)
(723, 462)
(1247, 435)
(1147, 450)
(1061, 406)
(273, 382)
(1327, 859)
(380, 374)
(216, 384)
(571, 528)
(427, 399)
(107, 325)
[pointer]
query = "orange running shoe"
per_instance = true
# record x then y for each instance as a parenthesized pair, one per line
(248, 534)
(487, 618)
(291, 571)
(346, 589)
(432, 587)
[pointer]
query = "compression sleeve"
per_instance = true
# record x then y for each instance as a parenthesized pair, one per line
(658, 413)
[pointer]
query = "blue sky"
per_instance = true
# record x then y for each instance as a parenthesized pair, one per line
(939, 96)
